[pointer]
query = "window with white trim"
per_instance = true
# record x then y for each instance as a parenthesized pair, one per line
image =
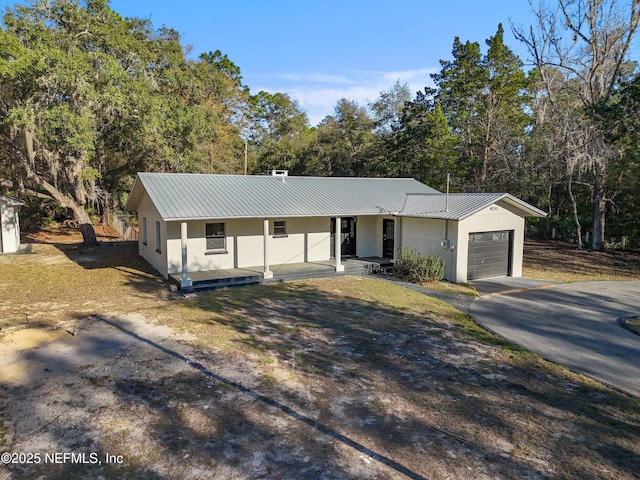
(216, 237)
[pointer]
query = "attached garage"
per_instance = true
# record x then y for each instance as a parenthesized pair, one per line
(478, 235)
(490, 254)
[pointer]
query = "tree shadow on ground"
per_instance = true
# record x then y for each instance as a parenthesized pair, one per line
(247, 414)
(542, 256)
(120, 256)
(318, 381)
(202, 421)
(108, 255)
(255, 396)
(348, 340)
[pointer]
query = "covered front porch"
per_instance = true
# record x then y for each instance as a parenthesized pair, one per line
(230, 277)
(252, 251)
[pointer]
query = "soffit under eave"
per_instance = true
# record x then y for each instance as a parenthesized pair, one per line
(528, 210)
(136, 195)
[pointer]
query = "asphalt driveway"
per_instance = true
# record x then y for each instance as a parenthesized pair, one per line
(575, 325)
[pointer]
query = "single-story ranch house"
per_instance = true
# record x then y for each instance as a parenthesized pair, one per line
(9, 224)
(206, 223)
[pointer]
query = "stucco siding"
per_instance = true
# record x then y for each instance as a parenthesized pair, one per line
(318, 237)
(426, 236)
(319, 245)
(147, 250)
(367, 234)
(244, 242)
(243, 246)
(493, 218)
(307, 239)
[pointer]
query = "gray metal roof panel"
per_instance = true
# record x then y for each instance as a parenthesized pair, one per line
(459, 205)
(203, 196)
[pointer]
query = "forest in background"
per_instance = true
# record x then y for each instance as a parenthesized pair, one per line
(88, 98)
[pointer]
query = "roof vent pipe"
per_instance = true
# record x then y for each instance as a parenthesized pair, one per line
(446, 198)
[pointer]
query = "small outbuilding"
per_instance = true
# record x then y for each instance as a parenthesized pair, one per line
(211, 223)
(9, 224)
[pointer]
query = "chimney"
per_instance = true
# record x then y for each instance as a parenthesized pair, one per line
(278, 173)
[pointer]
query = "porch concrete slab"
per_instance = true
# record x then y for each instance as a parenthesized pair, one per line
(286, 271)
(323, 265)
(292, 268)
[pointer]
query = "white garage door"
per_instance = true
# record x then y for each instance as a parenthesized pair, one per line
(489, 254)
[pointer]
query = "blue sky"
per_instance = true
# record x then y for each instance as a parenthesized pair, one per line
(321, 51)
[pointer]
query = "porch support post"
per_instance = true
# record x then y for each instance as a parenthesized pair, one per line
(265, 236)
(337, 244)
(186, 281)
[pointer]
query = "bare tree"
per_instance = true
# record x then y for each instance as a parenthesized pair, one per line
(580, 49)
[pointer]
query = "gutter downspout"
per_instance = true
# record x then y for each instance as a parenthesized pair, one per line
(448, 247)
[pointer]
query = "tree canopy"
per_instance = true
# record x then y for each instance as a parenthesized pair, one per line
(88, 98)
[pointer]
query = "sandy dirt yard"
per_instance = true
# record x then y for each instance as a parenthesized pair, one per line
(60, 388)
(125, 391)
(106, 375)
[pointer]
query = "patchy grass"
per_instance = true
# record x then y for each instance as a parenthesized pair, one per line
(457, 288)
(346, 334)
(337, 378)
(43, 287)
(563, 262)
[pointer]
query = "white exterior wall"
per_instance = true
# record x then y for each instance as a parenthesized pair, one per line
(244, 246)
(426, 235)
(368, 235)
(307, 240)
(318, 239)
(9, 228)
(158, 260)
(493, 218)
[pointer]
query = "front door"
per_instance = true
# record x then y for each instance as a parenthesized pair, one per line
(347, 236)
(388, 238)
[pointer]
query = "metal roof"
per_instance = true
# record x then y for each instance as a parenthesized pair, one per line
(183, 196)
(11, 200)
(459, 206)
